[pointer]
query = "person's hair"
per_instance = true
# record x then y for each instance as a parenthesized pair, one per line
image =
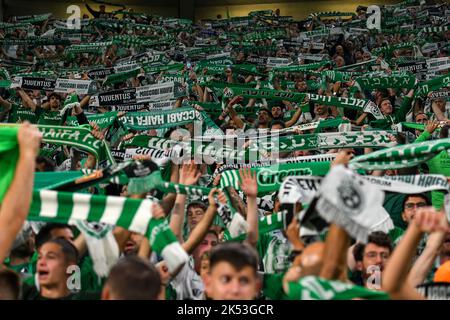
(133, 278)
(45, 234)
(418, 114)
(279, 122)
(237, 254)
(69, 250)
(54, 94)
(269, 112)
(378, 238)
(197, 204)
(9, 285)
(419, 195)
(383, 99)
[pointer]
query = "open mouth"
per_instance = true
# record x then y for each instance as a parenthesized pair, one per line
(43, 274)
(129, 246)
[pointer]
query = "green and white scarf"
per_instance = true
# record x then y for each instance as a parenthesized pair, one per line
(403, 156)
(79, 137)
(131, 214)
(161, 119)
(315, 288)
(270, 178)
(393, 81)
(103, 120)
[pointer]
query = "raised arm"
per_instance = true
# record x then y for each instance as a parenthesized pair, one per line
(201, 229)
(26, 100)
(294, 118)
(396, 272)
(425, 262)
(439, 114)
(406, 106)
(189, 175)
(16, 203)
(249, 186)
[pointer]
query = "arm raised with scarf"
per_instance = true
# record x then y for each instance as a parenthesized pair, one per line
(16, 203)
(201, 229)
(26, 100)
(189, 175)
(395, 276)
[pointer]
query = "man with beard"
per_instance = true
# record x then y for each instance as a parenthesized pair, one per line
(278, 111)
(371, 258)
(264, 118)
(321, 111)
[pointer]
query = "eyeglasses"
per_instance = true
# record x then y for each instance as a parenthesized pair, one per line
(415, 205)
(373, 255)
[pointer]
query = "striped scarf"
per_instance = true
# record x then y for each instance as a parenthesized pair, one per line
(132, 214)
(403, 156)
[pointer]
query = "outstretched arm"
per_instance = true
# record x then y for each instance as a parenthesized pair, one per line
(425, 261)
(395, 276)
(16, 203)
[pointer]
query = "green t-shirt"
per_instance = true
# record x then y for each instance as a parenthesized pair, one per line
(90, 281)
(18, 113)
(47, 117)
(32, 293)
(396, 234)
(393, 204)
(399, 115)
(273, 286)
(315, 288)
(274, 250)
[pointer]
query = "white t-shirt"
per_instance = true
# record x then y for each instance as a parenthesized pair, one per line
(188, 284)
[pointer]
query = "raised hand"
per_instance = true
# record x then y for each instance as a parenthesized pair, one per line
(29, 138)
(157, 211)
(431, 126)
(248, 182)
(97, 132)
(220, 196)
(429, 220)
(189, 173)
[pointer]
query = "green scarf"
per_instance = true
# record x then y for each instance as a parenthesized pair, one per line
(315, 288)
(432, 85)
(403, 156)
(270, 178)
(161, 119)
(9, 155)
(394, 81)
(103, 120)
(79, 137)
(132, 214)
